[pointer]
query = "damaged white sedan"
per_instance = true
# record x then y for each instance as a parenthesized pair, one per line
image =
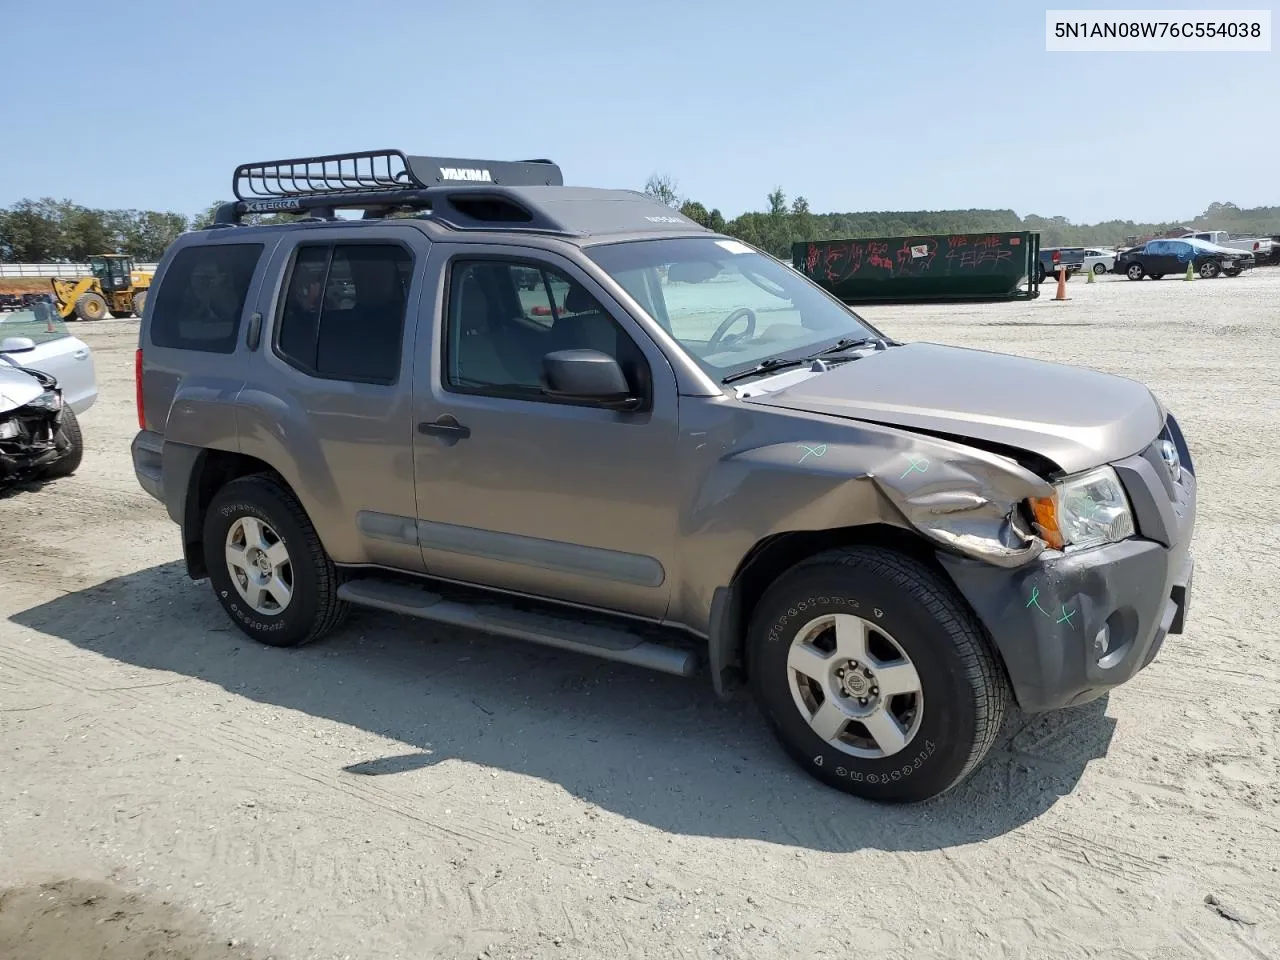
(47, 377)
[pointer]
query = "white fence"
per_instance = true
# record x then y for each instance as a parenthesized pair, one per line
(55, 269)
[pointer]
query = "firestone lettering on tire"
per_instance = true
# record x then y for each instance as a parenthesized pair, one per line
(892, 776)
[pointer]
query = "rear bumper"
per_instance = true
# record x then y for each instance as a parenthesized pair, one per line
(148, 452)
(1072, 626)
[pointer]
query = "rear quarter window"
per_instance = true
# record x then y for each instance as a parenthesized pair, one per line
(201, 297)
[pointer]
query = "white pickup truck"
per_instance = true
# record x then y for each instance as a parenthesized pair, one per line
(47, 378)
(1260, 247)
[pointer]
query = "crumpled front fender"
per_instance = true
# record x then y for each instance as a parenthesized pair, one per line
(967, 502)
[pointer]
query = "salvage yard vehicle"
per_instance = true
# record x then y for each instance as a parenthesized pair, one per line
(1158, 258)
(113, 286)
(1054, 259)
(1099, 260)
(47, 378)
(1259, 247)
(674, 452)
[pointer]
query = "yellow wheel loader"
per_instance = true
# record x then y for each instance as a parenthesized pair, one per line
(113, 286)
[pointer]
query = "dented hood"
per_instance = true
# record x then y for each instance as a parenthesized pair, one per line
(1076, 417)
(16, 388)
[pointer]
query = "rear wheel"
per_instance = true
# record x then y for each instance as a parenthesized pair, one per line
(875, 676)
(267, 565)
(139, 300)
(91, 306)
(1099, 269)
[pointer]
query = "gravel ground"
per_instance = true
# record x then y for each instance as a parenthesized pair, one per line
(170, 789)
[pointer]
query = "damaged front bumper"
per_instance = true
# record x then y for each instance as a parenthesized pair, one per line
(1071, 626)
(29, 437)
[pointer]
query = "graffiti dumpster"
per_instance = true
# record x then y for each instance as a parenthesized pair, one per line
(965, 266)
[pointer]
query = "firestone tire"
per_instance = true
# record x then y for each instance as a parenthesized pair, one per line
(261, 502)
(964, 694)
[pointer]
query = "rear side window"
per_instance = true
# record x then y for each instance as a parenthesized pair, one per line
(201, 297)
(343, 312)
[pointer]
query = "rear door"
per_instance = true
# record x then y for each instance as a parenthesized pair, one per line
(327, 398)
(567, 501)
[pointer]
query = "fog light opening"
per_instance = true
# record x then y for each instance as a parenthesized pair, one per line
(1101, 642)
(1114, 639)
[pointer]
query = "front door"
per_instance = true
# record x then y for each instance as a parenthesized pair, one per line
(569, 501)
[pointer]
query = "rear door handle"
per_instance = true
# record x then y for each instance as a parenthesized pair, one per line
(446, 426)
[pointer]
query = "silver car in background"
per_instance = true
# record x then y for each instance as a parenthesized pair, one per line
(47, 378)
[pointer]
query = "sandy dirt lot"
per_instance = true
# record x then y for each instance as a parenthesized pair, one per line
(170, 789)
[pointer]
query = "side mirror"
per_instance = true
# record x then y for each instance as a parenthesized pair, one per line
(17, 345)
(589, 375)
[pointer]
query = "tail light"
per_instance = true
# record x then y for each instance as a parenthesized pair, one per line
(137, 387)
(1057, 256)
(1257, 246)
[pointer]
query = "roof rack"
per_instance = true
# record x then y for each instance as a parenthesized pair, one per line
(373, 180)
(382, 170)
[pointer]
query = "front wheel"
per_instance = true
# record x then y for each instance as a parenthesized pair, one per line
(875, 676)
(267, 565)
(1209, 269)
(71, 442)
(91, 306)
(1134, 271)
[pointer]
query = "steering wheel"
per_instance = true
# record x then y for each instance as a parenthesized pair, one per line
(728, 323)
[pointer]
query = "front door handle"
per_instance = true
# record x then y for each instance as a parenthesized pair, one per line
(445, 426)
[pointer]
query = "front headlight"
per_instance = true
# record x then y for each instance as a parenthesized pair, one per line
(1086, 510)
(49, 400)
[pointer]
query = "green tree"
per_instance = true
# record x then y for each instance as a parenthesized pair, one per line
(31, 232)
(696, 212)
(663, 189)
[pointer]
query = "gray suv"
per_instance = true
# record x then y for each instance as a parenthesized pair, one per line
(575, 417)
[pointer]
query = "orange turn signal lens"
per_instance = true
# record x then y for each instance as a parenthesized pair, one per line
(1044, 510)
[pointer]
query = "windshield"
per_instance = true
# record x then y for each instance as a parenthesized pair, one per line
(39, 323)
(728, 305)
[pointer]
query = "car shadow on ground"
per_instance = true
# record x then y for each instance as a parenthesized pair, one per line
(656, 749)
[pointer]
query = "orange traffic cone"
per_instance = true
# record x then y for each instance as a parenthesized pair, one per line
(1062, 284)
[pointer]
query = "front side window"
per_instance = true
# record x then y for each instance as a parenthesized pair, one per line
(202, 295)
(342, 317)
(505, 316)
(728, 305)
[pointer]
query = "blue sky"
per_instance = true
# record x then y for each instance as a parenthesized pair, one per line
(856, 105)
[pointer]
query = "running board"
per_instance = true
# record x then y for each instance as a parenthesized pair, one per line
(552, 630)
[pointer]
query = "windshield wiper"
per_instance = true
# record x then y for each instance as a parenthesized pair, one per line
(779, 363)
(848, 344)
(764, 366)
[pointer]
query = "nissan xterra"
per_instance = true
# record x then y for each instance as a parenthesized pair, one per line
(575, 417)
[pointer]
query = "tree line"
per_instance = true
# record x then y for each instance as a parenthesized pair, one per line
(48, 230)
(781, 224)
